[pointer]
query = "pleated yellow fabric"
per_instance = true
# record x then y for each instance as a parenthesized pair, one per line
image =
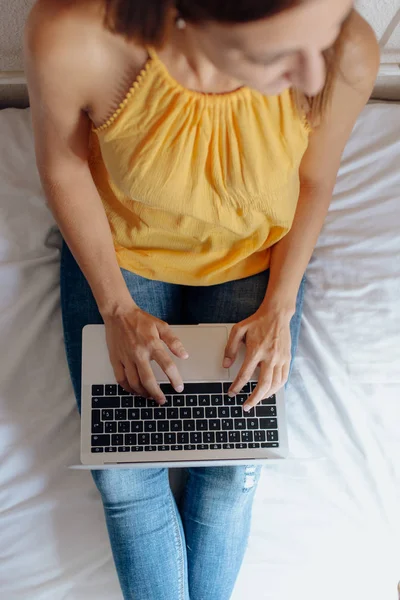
(197, 187)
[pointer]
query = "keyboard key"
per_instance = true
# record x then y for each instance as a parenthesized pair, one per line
(160, 413)
(110, 427)
(107, 414)
(101, 440)
(117, 439)
(168, 401)
(136, 426)
(127, 401)
(268, 424)
(241, 446)
(97, 425)
(130, 439)
(143, 439)
(185, 413)
(250, 413)
(136, 448)
(104, 402)
(252, 423)
(240, 423)
(201, 425)
(269, 445)
(271, 400)
(110, 449)
(162, 425)
(123, 449)
(226, 385)
(97, 449)
(236, 411)
(234, 436)
(227, 424)
(229, 401)
(120, 414)
(259, 436)
(241, 399)
(195, 437)
(254, 445)
(121, 391)
(246, 389)
(215, 446)
(97, 390)
(221, 436)
(151, 403)
(150, 448)
(169, 438)
(214, 425)
(247, 436)
(198, 413)
(146, 414)
(189, 447)
(175, 425)
(110, 390)
(217, 400)
(139, 402)
(272, 436)
(189, 425)
(211, 412)
(223, 412)
(191, 400)
(178, 401)
(177, 447)
(265, 411)
(204, 400)
(150, 425)
(253, 385)
(228, 446)
(194, 388)
(134, 414)
(156, 438)
(124, 427)
(182, 438)
(162, 448)
(202, 446)
(208, 437)
(172, 413)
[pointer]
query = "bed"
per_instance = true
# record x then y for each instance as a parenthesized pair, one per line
(326, 524)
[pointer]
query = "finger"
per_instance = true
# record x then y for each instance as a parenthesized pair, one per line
(232, 347)
(132, 378)
(276, 383)
(120, 378)
(173, 342)
(285, 372)
(263, 385)
(247, 369)
(169, 367)
(148, 380)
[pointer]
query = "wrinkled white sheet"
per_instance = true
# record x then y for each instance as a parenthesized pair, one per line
(324, 527)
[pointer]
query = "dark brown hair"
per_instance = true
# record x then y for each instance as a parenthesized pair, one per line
(146, 21)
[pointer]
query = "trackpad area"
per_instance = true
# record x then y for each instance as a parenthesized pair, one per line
(205, 346)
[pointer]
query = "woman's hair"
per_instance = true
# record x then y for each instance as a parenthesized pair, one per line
(146, 21)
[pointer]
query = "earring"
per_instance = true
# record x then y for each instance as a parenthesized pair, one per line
(180, 23)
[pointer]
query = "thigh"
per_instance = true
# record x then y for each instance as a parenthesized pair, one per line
(79, 307)
(235, 301)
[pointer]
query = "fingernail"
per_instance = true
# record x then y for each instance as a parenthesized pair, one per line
(246, 408)
(227, 362)
(179, 388)
(231, 394)
(184, 354)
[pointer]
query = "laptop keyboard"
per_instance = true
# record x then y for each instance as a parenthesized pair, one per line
(202, 417)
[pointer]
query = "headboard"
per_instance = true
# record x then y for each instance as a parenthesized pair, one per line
(384, 16)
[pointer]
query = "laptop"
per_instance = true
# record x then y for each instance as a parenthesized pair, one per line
(201, 426)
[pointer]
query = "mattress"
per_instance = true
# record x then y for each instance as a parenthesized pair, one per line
(326, 523)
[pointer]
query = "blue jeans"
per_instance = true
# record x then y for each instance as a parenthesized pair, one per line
(163, 551)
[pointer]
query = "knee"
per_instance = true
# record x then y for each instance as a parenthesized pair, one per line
(236, 480)
(123, 486)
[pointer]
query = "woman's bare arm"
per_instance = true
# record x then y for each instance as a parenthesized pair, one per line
(57, 64)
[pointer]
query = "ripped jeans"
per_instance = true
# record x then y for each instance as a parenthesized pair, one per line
(162, 550)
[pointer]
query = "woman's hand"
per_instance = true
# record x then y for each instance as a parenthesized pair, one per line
(134, 338)
(268, 345)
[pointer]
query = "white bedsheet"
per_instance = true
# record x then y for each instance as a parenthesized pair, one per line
(326, 527)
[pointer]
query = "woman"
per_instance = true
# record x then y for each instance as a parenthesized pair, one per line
(195, 194)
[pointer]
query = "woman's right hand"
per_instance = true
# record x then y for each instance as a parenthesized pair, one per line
(134, 338)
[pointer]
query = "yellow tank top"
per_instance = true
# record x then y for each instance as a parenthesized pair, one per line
(197, 187)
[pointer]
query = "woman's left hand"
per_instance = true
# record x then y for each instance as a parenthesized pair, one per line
(266, 335)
